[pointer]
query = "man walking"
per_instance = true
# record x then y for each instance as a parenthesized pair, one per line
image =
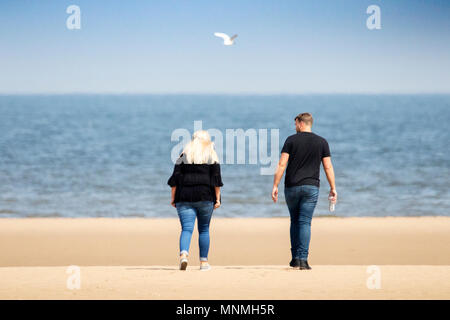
(302, 154)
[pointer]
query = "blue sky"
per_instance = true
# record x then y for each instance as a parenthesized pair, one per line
(168, 47)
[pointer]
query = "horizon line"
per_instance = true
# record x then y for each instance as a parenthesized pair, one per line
(220, 93)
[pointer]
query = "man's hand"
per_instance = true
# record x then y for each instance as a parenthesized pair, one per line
(217, 204)
(172, 202)
(333, 195)
(275, 193)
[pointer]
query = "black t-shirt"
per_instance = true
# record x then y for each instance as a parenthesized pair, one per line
(306, 150)
(195, 182)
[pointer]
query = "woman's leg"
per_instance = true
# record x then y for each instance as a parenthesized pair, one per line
(204, 214)
(187, 215)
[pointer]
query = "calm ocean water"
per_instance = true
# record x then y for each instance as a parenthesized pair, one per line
(109, 156)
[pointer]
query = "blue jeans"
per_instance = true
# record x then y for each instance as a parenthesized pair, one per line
(187, 212)
(301, 201)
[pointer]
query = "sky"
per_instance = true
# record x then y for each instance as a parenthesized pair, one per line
(168, 46)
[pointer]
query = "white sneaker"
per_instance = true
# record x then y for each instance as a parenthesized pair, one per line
(205, 267)
(183, 263)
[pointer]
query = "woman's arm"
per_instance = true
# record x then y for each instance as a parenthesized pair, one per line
(216, 181)
(174, 180)
(217, 204)
(172, 202)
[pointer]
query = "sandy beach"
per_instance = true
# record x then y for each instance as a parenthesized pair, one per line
(137, 259)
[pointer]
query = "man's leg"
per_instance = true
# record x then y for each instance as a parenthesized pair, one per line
(293, 202)
(307, 205)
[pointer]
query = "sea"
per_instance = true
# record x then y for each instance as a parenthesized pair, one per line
(82, 155)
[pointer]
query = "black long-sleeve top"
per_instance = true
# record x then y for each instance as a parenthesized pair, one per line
(195, 182)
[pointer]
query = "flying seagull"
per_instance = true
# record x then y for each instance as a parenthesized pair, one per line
(226, 38)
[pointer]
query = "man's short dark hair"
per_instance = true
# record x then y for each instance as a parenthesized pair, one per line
(306, 117)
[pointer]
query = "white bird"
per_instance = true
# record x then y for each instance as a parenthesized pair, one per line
(227, 40)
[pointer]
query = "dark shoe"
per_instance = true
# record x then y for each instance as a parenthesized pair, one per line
(295, 263)
(304, 265)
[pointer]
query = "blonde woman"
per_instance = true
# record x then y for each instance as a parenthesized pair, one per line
(196, 183)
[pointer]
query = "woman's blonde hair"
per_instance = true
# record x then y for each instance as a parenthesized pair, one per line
(200, 150)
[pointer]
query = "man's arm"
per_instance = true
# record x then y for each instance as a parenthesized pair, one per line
(282, 164)
(329, 171)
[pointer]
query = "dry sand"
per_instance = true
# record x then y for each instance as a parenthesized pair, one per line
(137, 259)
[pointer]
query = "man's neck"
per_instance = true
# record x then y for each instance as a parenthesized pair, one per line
(305, 130)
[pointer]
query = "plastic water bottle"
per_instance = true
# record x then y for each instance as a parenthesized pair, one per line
(331, 204)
